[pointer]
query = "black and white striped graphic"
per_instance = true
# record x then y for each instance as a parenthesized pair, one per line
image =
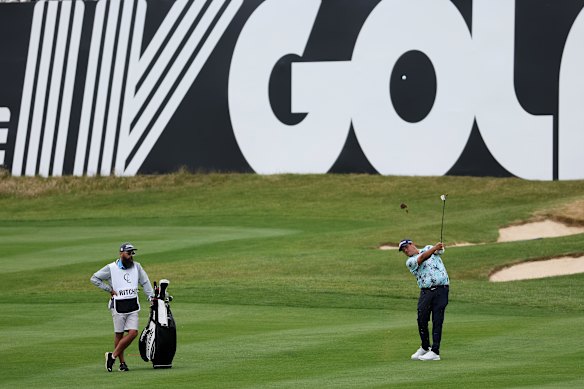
(4, 118)
(129, 96)
(48, 88)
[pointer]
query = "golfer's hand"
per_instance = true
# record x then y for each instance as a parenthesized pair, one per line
(439, 246)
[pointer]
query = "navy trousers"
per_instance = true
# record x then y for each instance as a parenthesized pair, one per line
(432, 301)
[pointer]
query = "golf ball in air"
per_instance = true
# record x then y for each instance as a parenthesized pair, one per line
(404, 77)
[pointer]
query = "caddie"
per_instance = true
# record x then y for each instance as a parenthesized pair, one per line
(121, 279)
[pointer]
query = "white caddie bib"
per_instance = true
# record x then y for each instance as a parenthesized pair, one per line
(124, 282)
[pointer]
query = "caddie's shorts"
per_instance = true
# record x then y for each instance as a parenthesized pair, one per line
(124, 321)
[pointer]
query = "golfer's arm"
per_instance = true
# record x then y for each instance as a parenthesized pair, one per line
(425, 255)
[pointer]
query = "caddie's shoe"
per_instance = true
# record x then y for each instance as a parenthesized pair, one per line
(109, 361)
(430, 356)
(419, 352)
(124, 367)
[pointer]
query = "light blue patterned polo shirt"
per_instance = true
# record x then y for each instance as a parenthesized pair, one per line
(431, 272)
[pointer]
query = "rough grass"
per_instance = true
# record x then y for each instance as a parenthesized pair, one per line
(571, 213)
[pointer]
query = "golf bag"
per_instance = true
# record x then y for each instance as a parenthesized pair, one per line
(158, 340)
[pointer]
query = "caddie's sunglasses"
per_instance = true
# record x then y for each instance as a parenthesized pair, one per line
(132, 252)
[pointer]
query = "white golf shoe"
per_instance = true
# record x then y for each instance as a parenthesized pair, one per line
(429, 356)
(419, 352)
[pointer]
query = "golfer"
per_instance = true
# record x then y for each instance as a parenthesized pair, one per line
(120, 279)
(428, 268)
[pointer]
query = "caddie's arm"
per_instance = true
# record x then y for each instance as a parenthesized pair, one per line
(145, 282)
(428, 253)
(100, 276)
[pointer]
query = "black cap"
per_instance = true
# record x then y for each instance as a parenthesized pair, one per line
(127, 247)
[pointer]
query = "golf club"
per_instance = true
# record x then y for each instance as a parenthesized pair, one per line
(443, 198)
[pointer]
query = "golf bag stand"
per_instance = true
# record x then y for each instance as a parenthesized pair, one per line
(158, 339)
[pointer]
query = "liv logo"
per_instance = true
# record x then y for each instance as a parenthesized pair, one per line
(129, 94)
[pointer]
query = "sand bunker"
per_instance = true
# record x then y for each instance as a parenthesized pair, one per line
(538, 269)
(537, 230)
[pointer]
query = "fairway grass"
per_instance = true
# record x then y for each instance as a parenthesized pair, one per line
(279, 283)
(290, 347)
